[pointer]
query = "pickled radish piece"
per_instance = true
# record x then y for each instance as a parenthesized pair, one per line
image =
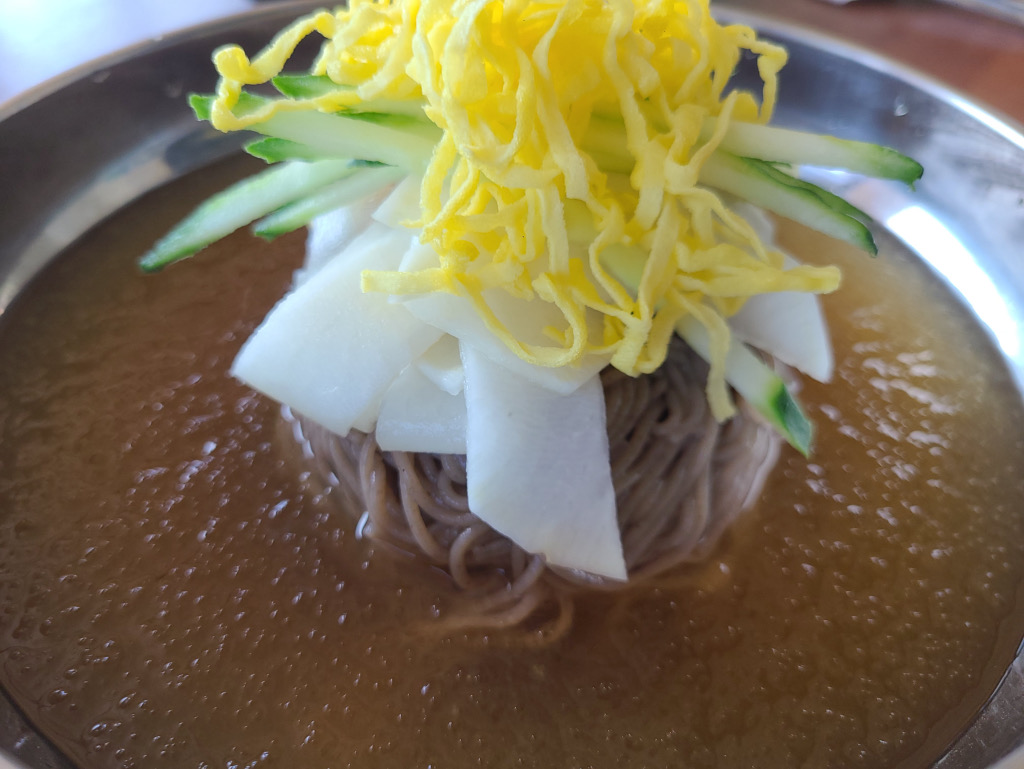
(538, 469)
(442, 365)
(367, 420)
(328, 350)
(456, 315)
(416, 415)
(791, 327)
(332, 232)
(402, 204)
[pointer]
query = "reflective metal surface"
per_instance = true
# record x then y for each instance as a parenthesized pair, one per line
(84, 147)
(1009, 10)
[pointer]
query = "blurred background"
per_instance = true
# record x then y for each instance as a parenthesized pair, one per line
(43, 38)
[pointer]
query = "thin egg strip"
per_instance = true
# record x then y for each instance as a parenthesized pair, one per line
(515, 86)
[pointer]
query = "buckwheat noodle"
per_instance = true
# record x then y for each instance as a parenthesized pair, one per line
(680, 480)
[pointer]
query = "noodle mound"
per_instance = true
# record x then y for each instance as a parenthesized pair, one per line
(681, 479)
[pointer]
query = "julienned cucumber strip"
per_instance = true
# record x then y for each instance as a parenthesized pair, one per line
(417, 126)
(606, 137)
(606, 134)
(337, 136)
(395, 140)
(202, 104)
(778, 173)
(759, 181)
(765, 186)
(797, 147)
(317, 86)
(762, 388)
(241, 204)
(362, 183)
(306, 86)
(398, 140)
(274, 150)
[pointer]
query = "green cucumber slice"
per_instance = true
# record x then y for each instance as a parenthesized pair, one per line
(783, 145)
(334, 135)
(274, 150)
(766, 186)
(241, 204)
(605, 140)
(392, 139)
(362, 182)
(779, 173)
(318, 86)
(306, 86)
(762, 388)
(202, 104)
(397, 121)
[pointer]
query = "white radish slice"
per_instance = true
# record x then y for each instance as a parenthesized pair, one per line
(538, 469)
(331, 233)
(525, 319)
(420, 256)
(328, 350)
(402, 204)
(455, 315)
(442, 365)
(789, 326)
(416, 415)
(367, 421)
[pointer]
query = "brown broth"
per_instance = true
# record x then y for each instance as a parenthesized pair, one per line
(174, 592)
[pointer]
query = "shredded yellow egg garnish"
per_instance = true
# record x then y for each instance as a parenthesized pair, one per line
(518, 89)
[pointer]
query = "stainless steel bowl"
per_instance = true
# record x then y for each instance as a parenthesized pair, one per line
(79, 148)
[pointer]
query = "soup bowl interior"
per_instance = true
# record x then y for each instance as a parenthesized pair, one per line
(133, 133)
